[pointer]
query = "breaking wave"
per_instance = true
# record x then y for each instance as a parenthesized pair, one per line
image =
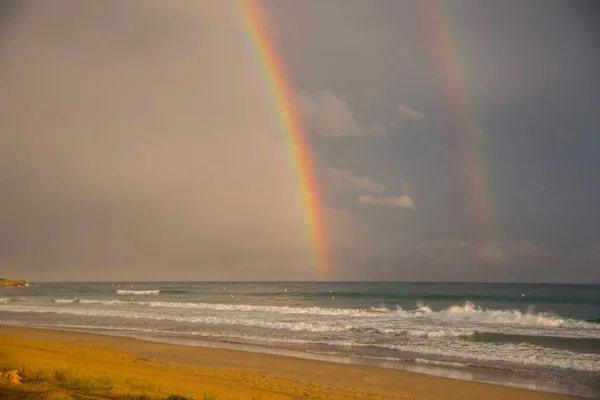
(473, 313)
(397, 324)
(466, 312)
(462, 314)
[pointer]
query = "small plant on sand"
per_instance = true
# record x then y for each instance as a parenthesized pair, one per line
(177, 397)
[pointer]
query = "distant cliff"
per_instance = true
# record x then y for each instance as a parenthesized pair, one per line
(12, 282)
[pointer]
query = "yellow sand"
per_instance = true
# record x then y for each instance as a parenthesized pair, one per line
(162, 369)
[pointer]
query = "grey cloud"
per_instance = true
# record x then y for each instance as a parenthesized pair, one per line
(403, 201)
(138, 139)
(344, 180)
(329, 116)
(398, 53)
(407, 112)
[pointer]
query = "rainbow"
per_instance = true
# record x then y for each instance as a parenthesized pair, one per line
(451, 61)
(255, 24)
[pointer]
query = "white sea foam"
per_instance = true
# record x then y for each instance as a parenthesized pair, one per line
(438, 333)
(241, 307)
(209, 320)
(467, 313)
(269, 309)
(524, 354)
(107, 302)
(138, 292)
(415, 336)
(63, 301)
(441, 363)
(384, 326)
(381, 310)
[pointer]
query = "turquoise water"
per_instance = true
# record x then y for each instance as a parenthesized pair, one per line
(550, 333)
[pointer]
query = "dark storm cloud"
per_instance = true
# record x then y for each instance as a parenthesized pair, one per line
(531, 82)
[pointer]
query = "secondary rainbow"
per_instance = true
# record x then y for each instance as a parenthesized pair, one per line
(451, 61)
(255, 24)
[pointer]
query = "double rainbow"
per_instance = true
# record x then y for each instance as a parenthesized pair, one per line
(451, 63)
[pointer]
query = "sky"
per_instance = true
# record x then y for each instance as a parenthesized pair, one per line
(452, 141)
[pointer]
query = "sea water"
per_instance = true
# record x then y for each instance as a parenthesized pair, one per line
(540, 336)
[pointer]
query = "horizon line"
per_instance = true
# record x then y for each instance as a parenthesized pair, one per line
(320, 281)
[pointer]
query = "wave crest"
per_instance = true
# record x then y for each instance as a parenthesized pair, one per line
(474, 313)
(138, 292)
(66, 301)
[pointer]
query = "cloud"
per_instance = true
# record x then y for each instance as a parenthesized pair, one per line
(326, 115)
(346, 180)
(343, 180)
(407, 112)
(138, 139)
(403, 201)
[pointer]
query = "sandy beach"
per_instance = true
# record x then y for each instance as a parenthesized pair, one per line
(196, 371)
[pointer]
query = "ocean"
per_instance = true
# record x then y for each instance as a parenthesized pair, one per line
(538, 336)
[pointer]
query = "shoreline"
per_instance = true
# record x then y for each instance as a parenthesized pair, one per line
(553, 382)
(342, 380)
